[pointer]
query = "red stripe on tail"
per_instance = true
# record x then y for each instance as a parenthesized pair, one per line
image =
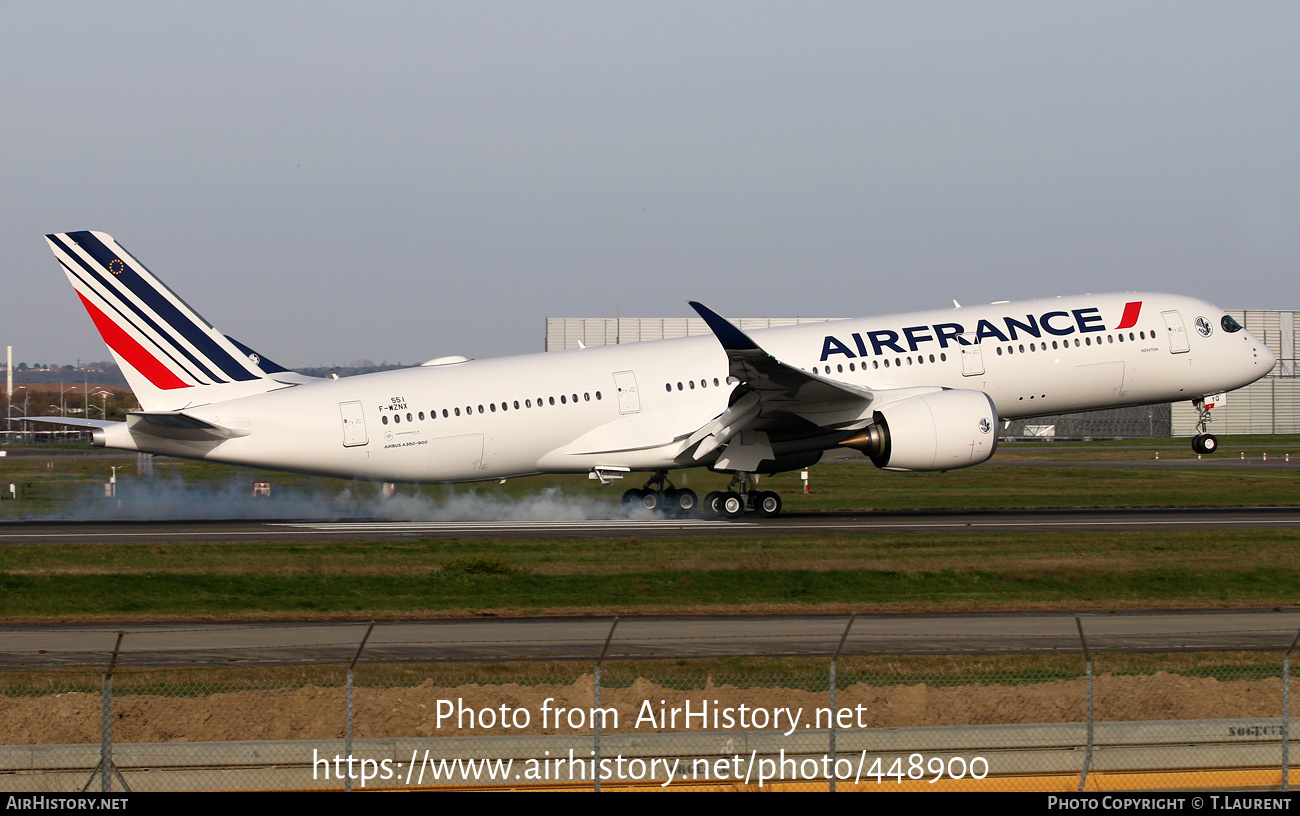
(1130, 318)
(134, 353)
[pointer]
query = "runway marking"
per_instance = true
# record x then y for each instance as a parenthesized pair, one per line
(879, 525)
(398, 526)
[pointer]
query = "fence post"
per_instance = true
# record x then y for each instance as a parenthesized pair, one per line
(347, 728)
(1286, 714)
(838, 649)
(596, 717)
(105, 768)
(1087, 656)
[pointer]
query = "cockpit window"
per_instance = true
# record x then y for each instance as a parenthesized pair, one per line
(1229, 324)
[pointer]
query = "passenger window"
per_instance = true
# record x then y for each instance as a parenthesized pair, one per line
(550, 400)
(563, 401)
(421, 416)
(597, 395)
(397, 419)
(457, 412)
(586, 397)
(384, 419)
(516, 405)
(715, 381)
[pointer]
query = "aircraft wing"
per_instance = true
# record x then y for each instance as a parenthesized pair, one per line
(774, 398)
(781, 388)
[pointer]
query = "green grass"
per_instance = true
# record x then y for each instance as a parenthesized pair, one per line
(832, 573)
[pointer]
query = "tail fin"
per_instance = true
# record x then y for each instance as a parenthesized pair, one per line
(171, 356)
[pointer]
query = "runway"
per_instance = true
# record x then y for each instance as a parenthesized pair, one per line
(38, 646)
(845, 523)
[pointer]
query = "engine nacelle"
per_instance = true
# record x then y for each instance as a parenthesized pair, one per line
(942, 430)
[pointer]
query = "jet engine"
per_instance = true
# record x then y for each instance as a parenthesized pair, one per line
(941, 430)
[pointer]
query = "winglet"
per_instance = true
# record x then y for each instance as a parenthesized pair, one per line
(731, 338)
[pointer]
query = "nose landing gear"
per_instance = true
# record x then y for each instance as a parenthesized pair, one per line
(1203, 442)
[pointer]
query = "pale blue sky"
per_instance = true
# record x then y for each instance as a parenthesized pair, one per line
(336, 181)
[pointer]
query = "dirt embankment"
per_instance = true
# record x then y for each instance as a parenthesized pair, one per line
(312, 712)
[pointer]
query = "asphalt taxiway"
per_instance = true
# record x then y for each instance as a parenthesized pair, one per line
(849, 523)
(37, 646)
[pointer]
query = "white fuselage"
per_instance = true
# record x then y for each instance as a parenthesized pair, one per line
(631, 406)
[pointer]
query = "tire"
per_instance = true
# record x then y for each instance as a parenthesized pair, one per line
(1209, 444)
(712, 503)
(632, 499)
(652, 500)
(686, 502)
(732, 505)
(768, 504)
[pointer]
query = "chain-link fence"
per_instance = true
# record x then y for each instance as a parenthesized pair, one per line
(844, 720)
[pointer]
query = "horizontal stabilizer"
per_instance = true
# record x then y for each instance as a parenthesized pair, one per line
(177, 425)
(75, 422)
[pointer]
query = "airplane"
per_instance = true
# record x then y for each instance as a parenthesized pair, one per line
(914, 392)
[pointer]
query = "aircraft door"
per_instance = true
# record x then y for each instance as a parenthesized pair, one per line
(629, 399)
(1177, 332)
(972, 358)
(354, 424)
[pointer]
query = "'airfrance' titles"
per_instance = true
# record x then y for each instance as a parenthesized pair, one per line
(910, 338)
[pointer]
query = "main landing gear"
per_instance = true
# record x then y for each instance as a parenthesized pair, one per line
(1203, 442)
(660, 496)
(738, 498)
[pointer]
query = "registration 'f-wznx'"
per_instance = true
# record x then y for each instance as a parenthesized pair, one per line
(914, 392)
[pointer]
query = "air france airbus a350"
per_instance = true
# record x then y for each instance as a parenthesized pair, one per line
(914, 392)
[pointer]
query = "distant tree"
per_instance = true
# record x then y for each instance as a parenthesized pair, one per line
(22, 366)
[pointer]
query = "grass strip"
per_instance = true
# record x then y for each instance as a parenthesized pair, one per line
(198, 595)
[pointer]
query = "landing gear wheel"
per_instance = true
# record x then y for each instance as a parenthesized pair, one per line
(767, 504)
(684, 501)
(653, 500)
(732, 505)
(632, 498)
(1205, 443)
(713, 503)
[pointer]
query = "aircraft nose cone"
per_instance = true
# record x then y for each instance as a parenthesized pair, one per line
(1267, 357)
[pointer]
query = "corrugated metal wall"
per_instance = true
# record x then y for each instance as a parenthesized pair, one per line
(566, 332)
